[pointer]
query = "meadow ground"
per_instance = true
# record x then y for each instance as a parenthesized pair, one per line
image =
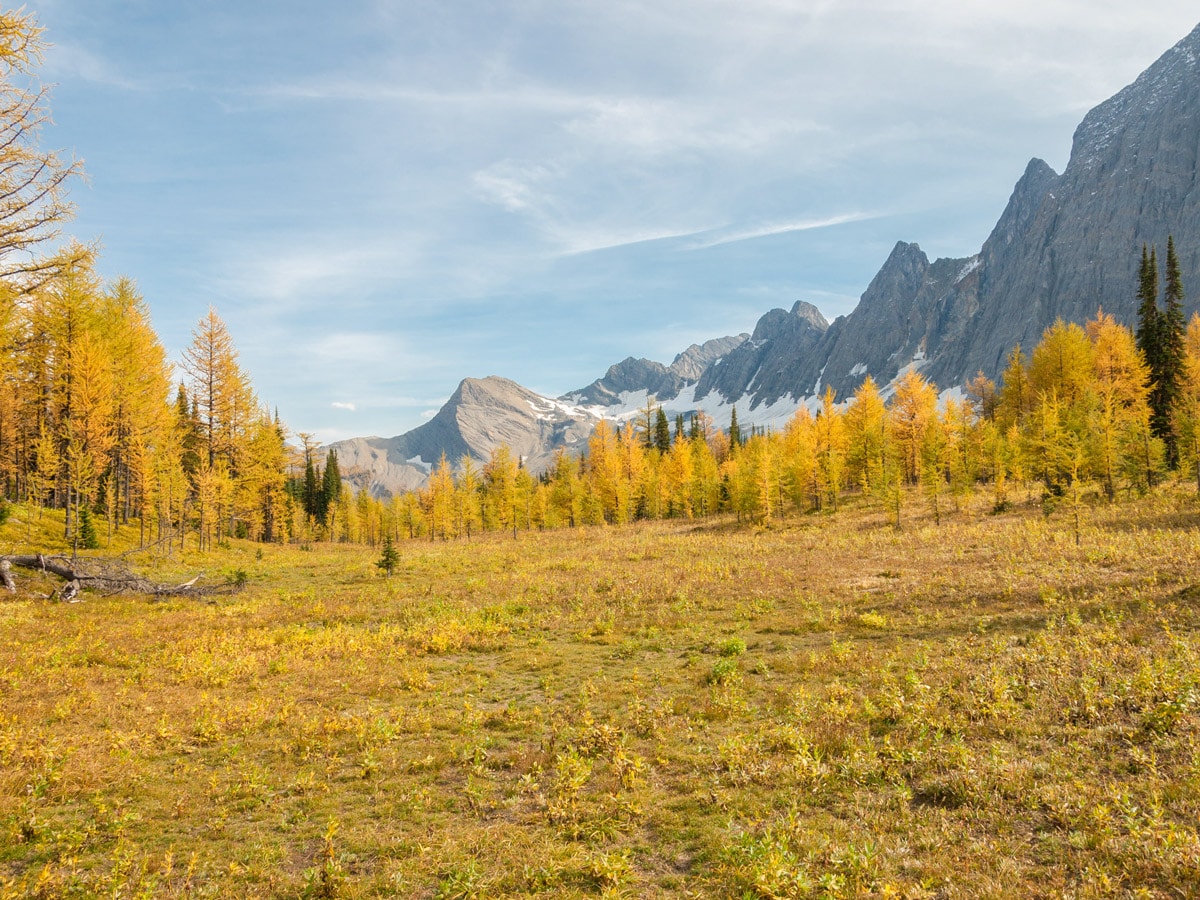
(825, 708)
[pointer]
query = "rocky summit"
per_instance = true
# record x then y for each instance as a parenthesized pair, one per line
(1065, 246)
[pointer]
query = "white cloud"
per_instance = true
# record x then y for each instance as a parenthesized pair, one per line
(514, 186)
(71, 60)
(575, 242)
(292, 271)
(766, 230)
(336, 404)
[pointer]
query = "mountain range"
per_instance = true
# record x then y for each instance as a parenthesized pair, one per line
(1065, 246)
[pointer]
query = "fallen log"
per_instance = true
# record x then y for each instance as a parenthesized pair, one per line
(105, 576)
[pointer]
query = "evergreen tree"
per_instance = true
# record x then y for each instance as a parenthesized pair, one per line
(1172, 328)
(310, 498)
(1160, 338)
(87, 538)
(662, 432)
(331, 489)
(1148, 315)
(390, 557)
(735, 432)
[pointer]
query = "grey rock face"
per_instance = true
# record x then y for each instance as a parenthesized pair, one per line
(691, 363)
(765, 366)
(481, 415)
(630, 375)
(633, 375)
(1070, 244)
(1065, 246)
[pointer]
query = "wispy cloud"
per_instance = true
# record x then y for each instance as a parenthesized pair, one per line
(292, 275)
(578, 242)
(73, 61)
(766, 230)
(337, 404)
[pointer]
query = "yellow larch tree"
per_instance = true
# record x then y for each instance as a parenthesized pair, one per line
(1120, 418)
(1187, 410)
(800, 459)
(865, 421)
(141, 387)
(831, 449)
(913, 411)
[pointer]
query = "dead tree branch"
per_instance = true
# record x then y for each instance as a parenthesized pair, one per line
(105, 576)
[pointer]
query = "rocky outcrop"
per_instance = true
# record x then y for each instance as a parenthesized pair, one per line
(767, 365)
(1065, 246)
(1070, 244)
(631, 376)
(480, 416)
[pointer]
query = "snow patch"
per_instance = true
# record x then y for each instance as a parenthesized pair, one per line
(972, 264)
(419, 463)
(951, 395)
(859, 369)
(550, 410)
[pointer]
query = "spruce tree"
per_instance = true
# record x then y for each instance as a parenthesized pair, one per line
(390, 557)
(88, 538)
(735, 433)
(662, 432)
(331, 487)
(1148, 315)
(1172, 351)
(1160, 338)
(311, 498)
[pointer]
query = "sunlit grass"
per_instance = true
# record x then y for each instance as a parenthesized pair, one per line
(827, 708)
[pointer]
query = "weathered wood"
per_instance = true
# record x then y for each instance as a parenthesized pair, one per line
(107, 576)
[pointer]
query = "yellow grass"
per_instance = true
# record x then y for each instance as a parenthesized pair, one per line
(829, 708)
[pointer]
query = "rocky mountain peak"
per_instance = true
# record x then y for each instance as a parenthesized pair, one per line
(804, 310)
(691, 363)
(1161, 88)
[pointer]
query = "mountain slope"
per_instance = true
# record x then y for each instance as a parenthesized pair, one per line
(480, 415)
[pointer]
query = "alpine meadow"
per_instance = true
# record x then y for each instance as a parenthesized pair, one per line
(919, 641)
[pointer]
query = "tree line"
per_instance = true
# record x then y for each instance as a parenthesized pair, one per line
(93, 422)
(1094, 406)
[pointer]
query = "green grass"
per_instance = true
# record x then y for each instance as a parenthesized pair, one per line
(827, 709)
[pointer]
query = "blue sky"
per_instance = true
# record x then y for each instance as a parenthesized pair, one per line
(381, 198)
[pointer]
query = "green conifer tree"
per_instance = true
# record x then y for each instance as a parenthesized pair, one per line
(89, 539)
(389, 558)
(331, 488)
(662, 432)
(311, 497)
(1172, 352)
(1160, 338)
(1148, 315)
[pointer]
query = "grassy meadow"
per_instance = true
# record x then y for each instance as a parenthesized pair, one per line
(826, 708)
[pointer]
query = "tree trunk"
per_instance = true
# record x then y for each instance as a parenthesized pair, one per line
(108, 576)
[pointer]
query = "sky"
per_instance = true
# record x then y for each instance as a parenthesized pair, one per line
(383, 197)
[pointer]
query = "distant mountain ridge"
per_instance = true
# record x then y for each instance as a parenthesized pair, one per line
(633, 375)
(481, 415)
(1064, 246)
